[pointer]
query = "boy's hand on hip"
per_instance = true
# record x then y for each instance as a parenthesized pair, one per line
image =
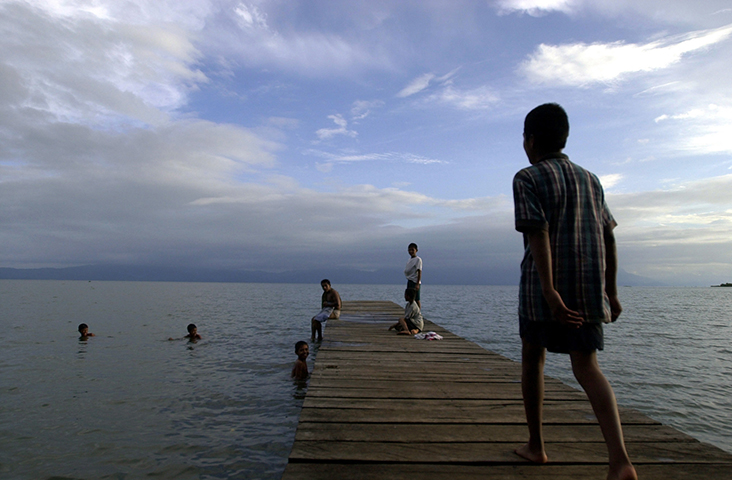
(615, 307)
(560, 312)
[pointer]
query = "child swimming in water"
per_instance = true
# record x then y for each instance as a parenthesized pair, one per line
(192, 333)
(84, 331)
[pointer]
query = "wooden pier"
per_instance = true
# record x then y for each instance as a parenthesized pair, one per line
(387, 406)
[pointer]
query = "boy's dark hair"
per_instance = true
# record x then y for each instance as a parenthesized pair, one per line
(410, 294)
(549, 125)
(412, 245)
(300, 344)
(191, 326)
(325, 280)
(82, 326)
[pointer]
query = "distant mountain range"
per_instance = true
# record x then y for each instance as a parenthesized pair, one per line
(436, 276)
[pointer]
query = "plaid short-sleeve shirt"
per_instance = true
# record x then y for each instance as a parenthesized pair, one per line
(568, 201)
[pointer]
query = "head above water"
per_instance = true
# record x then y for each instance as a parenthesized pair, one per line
(547, 126)
(191, 327)
(83, 327)
(299, 344)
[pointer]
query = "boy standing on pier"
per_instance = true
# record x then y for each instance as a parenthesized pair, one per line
(413, 272)
(568, 280)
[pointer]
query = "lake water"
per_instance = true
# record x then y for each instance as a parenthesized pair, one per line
(128, 403)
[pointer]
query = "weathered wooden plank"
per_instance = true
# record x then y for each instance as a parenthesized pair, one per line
(498, 452)
(400, 471)
(567, 413)
(427, 406)
(393, 380)
(497, 391)
(446, 432)
(423, 372)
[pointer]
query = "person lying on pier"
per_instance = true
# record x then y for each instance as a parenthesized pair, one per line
(330, 304)
(412, 322)
(192, 333)
(568, 283)
(84, 331)
(300, 370)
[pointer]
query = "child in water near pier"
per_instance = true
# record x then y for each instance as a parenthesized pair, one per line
(300, 370)
(192, 333)
(412, 322)
(84, 331)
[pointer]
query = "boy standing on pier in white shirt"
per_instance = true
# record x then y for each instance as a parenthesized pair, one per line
(413, 272)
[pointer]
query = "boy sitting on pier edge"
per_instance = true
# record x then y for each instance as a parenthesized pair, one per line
(330, 304)
(568, 283)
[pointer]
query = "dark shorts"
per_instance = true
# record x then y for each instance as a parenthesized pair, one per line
(411, 284)
(411, 325)
(558, 338)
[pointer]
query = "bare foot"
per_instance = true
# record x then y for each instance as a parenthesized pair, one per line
(414, 331)
(526, 452)
(404, 332)
(626, 472)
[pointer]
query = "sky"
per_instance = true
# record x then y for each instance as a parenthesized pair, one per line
(279, 135)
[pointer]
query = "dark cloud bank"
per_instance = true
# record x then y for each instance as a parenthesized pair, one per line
(476, 276)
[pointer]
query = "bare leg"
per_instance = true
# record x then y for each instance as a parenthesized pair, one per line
(532, 388)
(316, 326)
(602, 398)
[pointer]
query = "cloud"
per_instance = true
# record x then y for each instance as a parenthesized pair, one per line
(249, 16)
(90, 68)
(689, 206)
(480, 98)
(535, 7)
(707, 130)
(609, 181)
(581, 64)
(341, 129)
(701, 14)
(417, 85)
(681, 235)
(264, 35)
(446, 93)
(191, 206)
(370, 157)
(362, 108)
